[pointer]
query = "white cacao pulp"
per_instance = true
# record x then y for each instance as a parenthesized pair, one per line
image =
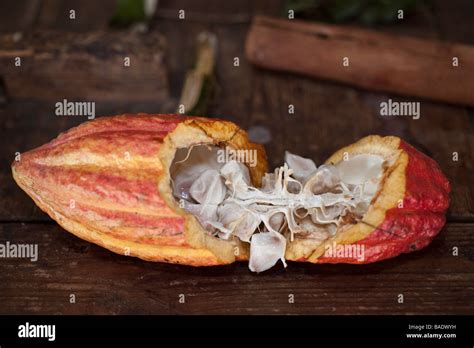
(298, 200)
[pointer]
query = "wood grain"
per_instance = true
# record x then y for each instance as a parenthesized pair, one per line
(22, 15)
(432, 281)
(327, 116)
(376, 61)
(57, 65)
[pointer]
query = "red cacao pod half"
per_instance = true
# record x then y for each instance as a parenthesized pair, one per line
(141, 185)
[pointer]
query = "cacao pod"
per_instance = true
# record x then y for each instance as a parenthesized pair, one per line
(108, 181)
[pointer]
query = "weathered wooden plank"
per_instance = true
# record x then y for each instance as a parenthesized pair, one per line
(234, 90)
(115, 65)
(23, 15)
(327, 116)
(18, 15)
(376, 61)
(432, 281)
(88, 15)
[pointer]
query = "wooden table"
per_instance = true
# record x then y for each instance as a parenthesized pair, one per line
(327, 116)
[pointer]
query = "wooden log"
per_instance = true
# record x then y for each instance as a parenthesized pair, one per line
(377, 61)
(57, 65)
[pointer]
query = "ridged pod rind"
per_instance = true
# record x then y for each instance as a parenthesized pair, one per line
(414, 215)
(107, 181)
(100, 181)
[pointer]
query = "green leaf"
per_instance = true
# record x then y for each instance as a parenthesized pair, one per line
(128, 12)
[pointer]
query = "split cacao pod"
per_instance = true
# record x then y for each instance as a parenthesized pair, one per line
(107, 181)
